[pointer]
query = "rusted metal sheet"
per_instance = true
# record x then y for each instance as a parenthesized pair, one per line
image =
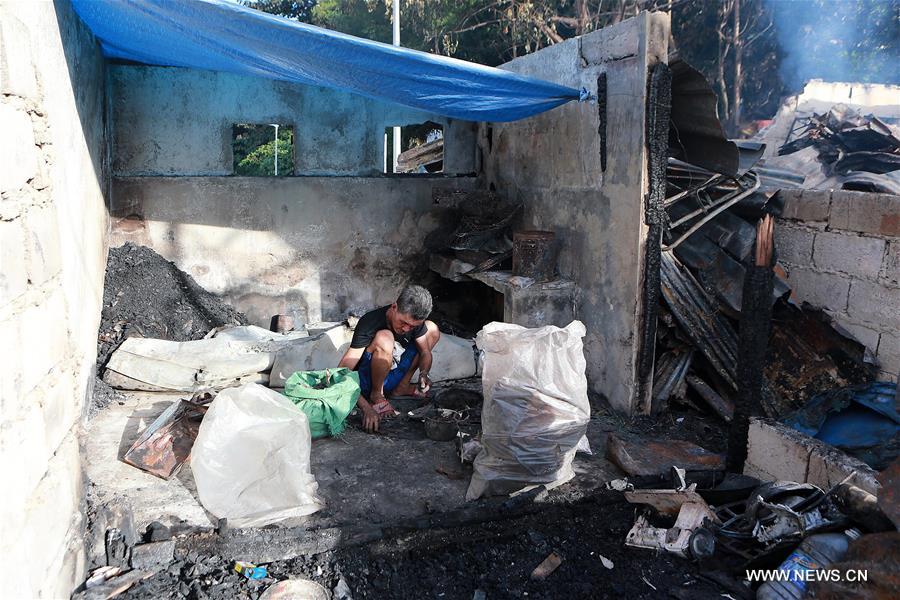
(699, 318)
(164, 447)
(642, 456)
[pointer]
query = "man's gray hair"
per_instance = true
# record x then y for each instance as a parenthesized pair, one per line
(415, 301)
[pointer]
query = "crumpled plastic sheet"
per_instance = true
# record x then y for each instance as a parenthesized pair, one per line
(536, 408)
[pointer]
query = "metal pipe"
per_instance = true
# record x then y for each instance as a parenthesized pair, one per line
(396, 32)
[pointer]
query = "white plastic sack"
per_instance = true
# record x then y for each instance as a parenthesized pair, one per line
(536, 408)
(251, 458)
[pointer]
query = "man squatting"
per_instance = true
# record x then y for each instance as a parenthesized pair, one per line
(389, 345)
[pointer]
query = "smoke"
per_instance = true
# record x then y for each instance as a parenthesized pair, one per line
(838, 40)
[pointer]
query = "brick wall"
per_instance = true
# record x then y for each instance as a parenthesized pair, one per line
(841, 252)
(52, 258)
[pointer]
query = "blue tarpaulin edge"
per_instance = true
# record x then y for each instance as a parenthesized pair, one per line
(217, 35)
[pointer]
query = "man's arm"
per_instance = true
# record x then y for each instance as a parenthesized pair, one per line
(425, 359)
(351, 358)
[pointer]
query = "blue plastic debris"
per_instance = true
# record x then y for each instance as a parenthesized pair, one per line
(217, 35)
(861, 420)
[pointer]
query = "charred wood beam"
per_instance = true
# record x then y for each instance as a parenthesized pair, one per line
(659, 105)
(755, 325)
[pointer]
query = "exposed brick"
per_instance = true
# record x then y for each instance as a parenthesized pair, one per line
(890, 269)
(888, 353)
(20, 155)
(852, 254)
(874, 303)
(805, 205)
(13, 273)
(794, 245)
(865, 212)
(823, 290)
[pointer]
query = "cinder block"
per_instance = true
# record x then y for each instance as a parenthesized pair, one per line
(855, 255)
(778, 452)
(20, 155)
(775, 453)
(822, 290)
(52, 518)
(865, 212)
(13, 269)
(829, 466)
(43, 339)
(793, 244)
(17, 75)
(888, 353)
(890, 269)
(866, 336)
(805, 205)
(874, 303)
(43, 244)
(25, 456)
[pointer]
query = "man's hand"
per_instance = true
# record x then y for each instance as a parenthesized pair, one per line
(370, 419)
(424, 384)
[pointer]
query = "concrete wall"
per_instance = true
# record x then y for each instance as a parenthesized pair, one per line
(339, 235)
(312, 247)
(841, 252)
(173, 121)
(551, 162)
(52, 259)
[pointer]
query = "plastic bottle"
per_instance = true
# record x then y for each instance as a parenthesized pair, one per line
(815, 553)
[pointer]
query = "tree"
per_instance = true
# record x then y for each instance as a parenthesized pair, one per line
(292, 9)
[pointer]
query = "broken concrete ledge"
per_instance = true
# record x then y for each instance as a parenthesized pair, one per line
(271, 544)
(778, 452)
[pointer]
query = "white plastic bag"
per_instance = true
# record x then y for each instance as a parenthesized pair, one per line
(251, 458)
(536, 408)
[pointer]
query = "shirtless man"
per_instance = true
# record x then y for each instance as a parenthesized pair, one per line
(389, 345)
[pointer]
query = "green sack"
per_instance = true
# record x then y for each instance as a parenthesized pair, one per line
(327, 397)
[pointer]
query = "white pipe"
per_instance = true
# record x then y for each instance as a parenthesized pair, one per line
(396, 28)
(275, 125)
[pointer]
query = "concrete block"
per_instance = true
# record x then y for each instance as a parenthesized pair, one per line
(20, 155)
(805, 205)
(855, 255)
(822, 290)
(17, 76)
(888, 353)
(13, 269)
(153, 556)
(829, 466)
(43, 339)
(9, 367)
(794, 245)
(776, 452)
(44, 258)
(866, 336)
(52, 518)
(874, 303)
(890, 268)
(23, 447)
(865, 212)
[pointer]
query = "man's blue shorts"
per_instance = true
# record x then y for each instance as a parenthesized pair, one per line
(394, 376)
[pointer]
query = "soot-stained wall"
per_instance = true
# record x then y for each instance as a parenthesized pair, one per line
(553, 163)
(337, 235)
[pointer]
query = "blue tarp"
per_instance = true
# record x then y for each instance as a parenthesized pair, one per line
(218, 35)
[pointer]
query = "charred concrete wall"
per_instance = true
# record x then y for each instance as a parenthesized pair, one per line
(312, 247)
(841, 252)
(554, 163)
(53, 227)
(337, 235)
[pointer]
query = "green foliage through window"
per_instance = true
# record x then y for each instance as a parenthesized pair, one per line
(254, 148)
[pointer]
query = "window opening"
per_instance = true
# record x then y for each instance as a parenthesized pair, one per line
(421, 149)
(263, 150)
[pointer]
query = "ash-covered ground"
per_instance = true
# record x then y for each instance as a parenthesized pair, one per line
(494, 558)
